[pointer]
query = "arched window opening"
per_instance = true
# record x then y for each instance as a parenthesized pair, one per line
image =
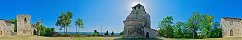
(231, 32)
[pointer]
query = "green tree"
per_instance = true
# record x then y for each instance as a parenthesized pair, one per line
(106, 33)
(64, 21)
(95, 33)
(49, 32)
(166, 26)
(121, 33)
(46, 31)
(161, 32)
(42, 30)
(178, 30)
(193, 23)
(112, 33)
(79, 24)
(216, 32)
(186, 30)
(206, 23)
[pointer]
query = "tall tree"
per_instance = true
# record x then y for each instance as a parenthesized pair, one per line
(64, 20)
(79, 24)
(178, 31)
(166, 26)
(206, 23)
(186, 30)
(193, 23)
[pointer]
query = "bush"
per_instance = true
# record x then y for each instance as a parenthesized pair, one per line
(42, 32)
(46, 31)
(49, 32)
(112, 33)
(121, 33)
(106, 33)
(95, 33)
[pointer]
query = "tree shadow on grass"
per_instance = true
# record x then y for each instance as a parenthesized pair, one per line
(137, 39)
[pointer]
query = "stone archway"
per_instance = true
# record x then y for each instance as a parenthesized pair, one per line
(35, 32)
(147, 35)
(231, 32)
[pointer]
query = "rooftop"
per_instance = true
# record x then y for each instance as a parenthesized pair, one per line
(231, 18)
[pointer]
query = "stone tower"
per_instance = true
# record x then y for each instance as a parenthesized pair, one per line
(23, 25)
(137, 24)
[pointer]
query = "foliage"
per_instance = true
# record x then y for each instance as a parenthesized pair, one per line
(64, 21)
(49, 32)
(106, 33)
(206, 23)
(197, 26)
(166, 27)
(216, 32)
(42, 32)
(178, 30)
(95, 33)
(46, 31)
(193, 23)
(79, 23)
(112, 33)
(121, 33)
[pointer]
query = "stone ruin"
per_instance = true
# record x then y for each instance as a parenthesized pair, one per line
(23, 25)
(137, 24)
(231, 27)
(6, 28)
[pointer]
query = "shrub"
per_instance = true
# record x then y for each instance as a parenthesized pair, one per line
(95, 33)
(112, 33)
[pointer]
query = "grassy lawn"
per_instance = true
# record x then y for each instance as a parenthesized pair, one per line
(192, 39)
(99, 38)
(95, 38)
(55, 38)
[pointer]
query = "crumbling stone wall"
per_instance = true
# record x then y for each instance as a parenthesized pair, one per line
(23, 25)
(6, 28)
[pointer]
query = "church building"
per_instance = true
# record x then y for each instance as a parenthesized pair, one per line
(137, 24)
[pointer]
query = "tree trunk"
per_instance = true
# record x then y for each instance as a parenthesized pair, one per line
(66, 30)
(193, 33)
(76, 29)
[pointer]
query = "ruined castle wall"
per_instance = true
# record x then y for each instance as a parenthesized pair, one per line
(6, 28)
(23, 25)
(2, 24)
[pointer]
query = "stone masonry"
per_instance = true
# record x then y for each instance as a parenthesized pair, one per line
(231, 27)
(23, 25)
(137, 24)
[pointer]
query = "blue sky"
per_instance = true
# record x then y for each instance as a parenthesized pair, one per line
(109, 14)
